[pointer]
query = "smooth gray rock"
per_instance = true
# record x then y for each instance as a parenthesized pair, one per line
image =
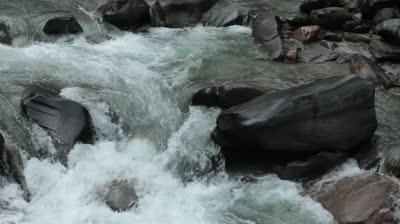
(369, 70)
(386, 14)
(309, 5)
(383, 51)
(65, 120)
(120, 195)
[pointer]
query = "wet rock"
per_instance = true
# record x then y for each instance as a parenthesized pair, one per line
(369, 70)
(301, 119)
(350, 4)
(317, 53)
(307, 34)
(355, 37)
(120, 195)
(310, 5)
(62, 25)
(97, 38)
(386, 14)
(183, 13)
(391, 159)
(292, 55)
(227, 95)
(265, 31)
(389, 30)
(361, 199)
(370, 7)
(350, 25)
(65, 120)
(333, 36)
(313, 167)
(5, 36)
(384, 51)
(11, 166)
(331, 18)
(301, 19)
(126, 14)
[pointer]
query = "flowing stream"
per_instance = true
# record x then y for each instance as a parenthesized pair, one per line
(137, 88)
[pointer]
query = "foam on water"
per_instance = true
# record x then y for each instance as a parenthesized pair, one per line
(132, 86)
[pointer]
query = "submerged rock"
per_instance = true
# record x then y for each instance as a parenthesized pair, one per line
(5, 36)
(331, 18)
(310, 5)
(265, 30)
(66, 121)
(227, 95)
(62, 25)
(361, 199)
(302, 119)
(386, 14)
(369, 70)
(120, 195)
(126, 14)
(97, 38)
(313, 167)
(384, 51)
(11, 166)
(389, 30)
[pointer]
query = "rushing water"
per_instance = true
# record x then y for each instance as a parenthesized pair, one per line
(138, 88)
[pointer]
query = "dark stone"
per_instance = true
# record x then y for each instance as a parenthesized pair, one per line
(331, 18)
(62, 25)
(386, 14)
(302, 119)
(265, 30)
(11, 166)
(363, 199)
(350, 25)
(301, 19)
(227, 95)
(355, 37)
(126, 14)
(391, 159)
(66, 121)
(384, 51)
(369, 70)
(361, 29)
(5, 36)
(332, 36)
(317, 53)
(313, 167)
(97, 38)
(310, 5)
(389, 30)
(120, 195)
(350, 4)
(292, 55)
(370, 7)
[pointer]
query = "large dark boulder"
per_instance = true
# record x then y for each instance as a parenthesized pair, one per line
(369, 70)
(331, 17)
(98, 38)
(119, 195)
(126, 14)
(265, 30)
(302, 119)
(364, 199)
(389, 30)
(386, 14)
(65, 120)
(62, 25)
(5, 36)
(350, 4)
(309, 5)
(227, 95)
(11, 166)
(383, 51)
